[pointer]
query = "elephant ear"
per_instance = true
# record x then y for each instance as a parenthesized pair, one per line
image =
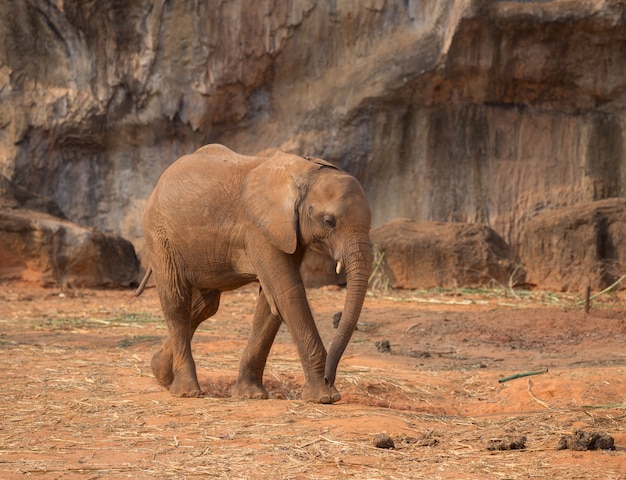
(322, 163)
(270, 196)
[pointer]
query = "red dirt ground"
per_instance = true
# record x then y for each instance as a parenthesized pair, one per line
(78, 399)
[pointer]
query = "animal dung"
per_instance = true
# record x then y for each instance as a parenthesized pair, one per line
(382, 440)
(383, 346)
(581, 440)
(509, 443)
(336, 319)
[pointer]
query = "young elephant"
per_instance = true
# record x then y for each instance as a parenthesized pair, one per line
(218, 220)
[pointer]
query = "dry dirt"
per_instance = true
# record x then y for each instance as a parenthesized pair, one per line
(78, 399)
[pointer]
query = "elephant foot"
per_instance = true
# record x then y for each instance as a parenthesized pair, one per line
(320, 394)
(184, 386)
(162, 367)
(249, 390)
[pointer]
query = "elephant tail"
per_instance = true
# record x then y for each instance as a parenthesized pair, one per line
(145, 279)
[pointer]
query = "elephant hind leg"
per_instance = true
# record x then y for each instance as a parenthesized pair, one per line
(161, 365)
(203, 306)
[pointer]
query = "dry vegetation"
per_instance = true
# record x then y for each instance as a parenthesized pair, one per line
(79, 401)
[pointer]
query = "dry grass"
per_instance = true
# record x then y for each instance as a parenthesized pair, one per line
(78, 401)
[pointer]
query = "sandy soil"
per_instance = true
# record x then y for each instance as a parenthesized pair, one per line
(78, 399)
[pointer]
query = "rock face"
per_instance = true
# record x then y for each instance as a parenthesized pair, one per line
(437, 254)
(576, 247)
(36, 246)
(473, 111)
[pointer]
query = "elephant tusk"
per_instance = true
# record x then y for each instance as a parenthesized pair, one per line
(339, 267)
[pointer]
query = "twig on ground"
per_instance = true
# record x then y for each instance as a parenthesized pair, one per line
(602, 292)
(525, 374)
(530, 386)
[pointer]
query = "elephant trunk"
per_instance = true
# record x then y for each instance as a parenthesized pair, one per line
(358, 265)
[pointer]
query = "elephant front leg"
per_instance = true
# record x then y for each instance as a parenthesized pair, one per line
(294, 309)
(317, 390)
(264, 329)
(312, 353)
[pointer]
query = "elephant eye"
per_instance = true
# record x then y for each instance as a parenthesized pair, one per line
(329, 221)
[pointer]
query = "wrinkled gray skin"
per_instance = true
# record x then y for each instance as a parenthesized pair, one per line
(218, 220)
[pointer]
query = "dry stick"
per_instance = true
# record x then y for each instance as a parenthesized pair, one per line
(332, 441)
(587, 299)
(607, 289)
(84, 468)
(530, 386)
(520, 375)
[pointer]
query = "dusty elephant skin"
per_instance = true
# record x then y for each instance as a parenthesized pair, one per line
(218, 220)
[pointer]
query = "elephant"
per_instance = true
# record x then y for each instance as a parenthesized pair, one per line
(218, 220)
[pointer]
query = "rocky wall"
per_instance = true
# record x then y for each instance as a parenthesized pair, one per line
(463, 110)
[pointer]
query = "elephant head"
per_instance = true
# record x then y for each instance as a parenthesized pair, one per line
(301, 203)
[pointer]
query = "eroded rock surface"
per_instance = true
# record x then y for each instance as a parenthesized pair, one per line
(575, 247)
(438, 254)
(37, 246)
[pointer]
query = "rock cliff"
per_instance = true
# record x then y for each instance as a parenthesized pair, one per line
(447, 110)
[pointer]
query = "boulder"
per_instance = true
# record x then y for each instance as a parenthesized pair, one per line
(442, 254)
(574, 247)
(318, 270)
(38, 246)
